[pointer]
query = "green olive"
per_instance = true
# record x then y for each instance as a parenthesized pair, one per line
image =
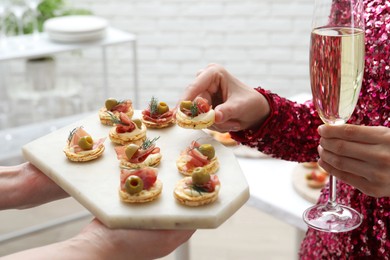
(134, 184)
(162, 108)
(200, 176)
(130, 150)
(86, 142)
(111, 103)
(186, 104)
(138, 123)
(207, 150)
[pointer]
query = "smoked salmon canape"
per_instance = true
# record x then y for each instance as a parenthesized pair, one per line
(81, 147)
(157, 115)
(223, 138)
(140, 185)
(198, 190)
(115, 107)
(196, 114)
(134, 156)
(316, 178)
(197, 156)
(126, 130)
(311, 165)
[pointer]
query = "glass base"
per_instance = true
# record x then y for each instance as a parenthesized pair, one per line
(335, 219)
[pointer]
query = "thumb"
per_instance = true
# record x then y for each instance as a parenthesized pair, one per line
(224, 119)
(224, 112)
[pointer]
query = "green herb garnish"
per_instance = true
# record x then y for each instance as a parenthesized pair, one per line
(153, 106)
(71, 134)
(194, 109)
(148, 143)
(198, 189)
(115, 120)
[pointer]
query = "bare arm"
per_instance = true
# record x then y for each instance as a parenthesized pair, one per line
(99, 242)
(24, 186)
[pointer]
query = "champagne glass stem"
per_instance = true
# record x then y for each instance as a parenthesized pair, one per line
(33, 5)
(332, 204)
(18, 8)
(20, 26)
(3, 32)
(35, 23)
(18, 13)
(332, 189)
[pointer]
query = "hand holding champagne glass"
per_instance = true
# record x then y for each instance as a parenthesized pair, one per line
(336, 72)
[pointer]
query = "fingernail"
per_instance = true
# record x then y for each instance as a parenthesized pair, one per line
(320, 129)
(320, 149)
(234, 128)
(218, 116)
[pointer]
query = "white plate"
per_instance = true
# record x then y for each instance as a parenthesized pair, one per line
(300, 185)
(74, 38)
(75, 28)
(95, 184)
(75, 24)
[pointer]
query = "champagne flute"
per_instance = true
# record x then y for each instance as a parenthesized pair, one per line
(33, 5)
(336, 73)
(3, 28)
(18, 8)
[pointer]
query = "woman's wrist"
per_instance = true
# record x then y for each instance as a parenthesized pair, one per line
(72, 249)
(257, 111)
(24, 186)
(87, 247)
(9, 178)
(264, 110)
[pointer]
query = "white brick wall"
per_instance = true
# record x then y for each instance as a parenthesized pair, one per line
(261, 42)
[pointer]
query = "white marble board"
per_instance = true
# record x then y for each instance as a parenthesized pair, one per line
(95, 184)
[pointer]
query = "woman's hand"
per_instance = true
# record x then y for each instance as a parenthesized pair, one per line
(24, 186)
(236, 105)
(97, 241)
(357, 155)
(132, 243)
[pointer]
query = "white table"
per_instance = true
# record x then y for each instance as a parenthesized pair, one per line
(272, 191)
(43, 46)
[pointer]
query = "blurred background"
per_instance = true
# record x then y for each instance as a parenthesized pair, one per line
(263, 43)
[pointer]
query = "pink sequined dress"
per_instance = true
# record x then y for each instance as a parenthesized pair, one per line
(290, 133)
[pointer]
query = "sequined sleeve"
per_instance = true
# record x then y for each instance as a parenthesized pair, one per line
(289, 132)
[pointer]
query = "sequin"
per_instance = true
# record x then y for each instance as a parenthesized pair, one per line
(290, 133)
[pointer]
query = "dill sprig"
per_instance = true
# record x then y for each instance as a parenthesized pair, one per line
(194, 109)
(71, 133)
(148, 143)
(115, 119)
(153, 106)
(198, 189)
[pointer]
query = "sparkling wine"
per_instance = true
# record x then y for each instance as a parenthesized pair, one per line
(336, 71)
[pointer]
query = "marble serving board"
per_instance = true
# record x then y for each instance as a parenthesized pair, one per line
(95, 184)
